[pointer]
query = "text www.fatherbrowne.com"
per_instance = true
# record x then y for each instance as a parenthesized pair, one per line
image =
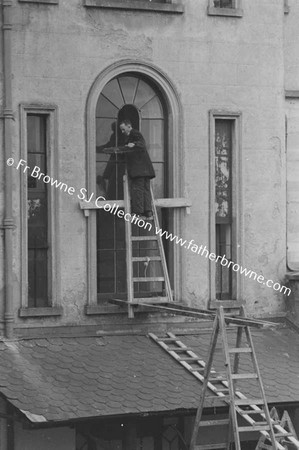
(189, 245)
(203, 251)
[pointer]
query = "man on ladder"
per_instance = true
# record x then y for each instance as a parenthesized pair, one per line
(140, 170)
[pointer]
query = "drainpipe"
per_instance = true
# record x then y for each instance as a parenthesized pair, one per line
(8, 223)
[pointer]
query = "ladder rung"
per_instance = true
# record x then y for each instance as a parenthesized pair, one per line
(146, 258)
(222, 390)
(210, 423)
(243, 376)
(210, 446)
(190, 358)
(240, 350)
(218, 378)
(249, 401)
(144, 238)
(217, 397)
(146, 279)
(197, 369)
(167, 339)
(280, 435)
(150, 300)
(254, 428)
(243, 412)
(180, 349)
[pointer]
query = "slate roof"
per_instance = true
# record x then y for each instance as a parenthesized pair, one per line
(60, 379)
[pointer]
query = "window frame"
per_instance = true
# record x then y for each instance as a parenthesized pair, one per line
(54, 308)
(235, 11)
(237, 202)
(51, 2)
(136, 5)
(176, 179)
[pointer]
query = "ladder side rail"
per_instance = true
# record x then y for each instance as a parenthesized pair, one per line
(129, 252)
(208, 367)
(161, 251)
(219, 394)
(233, 412)
(238, 345)
(187, 366)
(257, 370)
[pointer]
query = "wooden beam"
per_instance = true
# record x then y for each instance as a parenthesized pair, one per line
(159, 202)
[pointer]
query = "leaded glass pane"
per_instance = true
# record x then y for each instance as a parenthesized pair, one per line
(128, 87)
(37, 213)
(223, 162)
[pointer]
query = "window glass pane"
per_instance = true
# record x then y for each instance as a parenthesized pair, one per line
(109, 176)
(128, 88)
(112, 92)
(152, 109)
(144, 93)
(223, 274)
(106, 133)
(36, 134)
(153, 133)
(37, 199)
(105, 108)
(223, 4)
(223, 161)
(106, 271)
(37, 278)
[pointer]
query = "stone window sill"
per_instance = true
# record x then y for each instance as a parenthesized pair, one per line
(174, 8)
(41, 312)
(227, 12)
(292, 276)
(91, 310)
(50, 2)
(292, 94)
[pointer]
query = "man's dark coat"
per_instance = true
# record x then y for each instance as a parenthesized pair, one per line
(138, 160)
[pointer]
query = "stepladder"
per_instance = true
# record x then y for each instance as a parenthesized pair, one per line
(147, 273)
(241, 387)
(286, 433)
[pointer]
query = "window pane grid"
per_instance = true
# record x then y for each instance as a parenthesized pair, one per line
(37, 201)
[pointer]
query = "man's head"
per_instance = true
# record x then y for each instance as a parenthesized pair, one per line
(125, 127)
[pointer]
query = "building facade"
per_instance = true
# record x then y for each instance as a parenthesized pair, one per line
(213, 85)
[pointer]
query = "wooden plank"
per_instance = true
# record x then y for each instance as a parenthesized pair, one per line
(146, 279)
(211, 423)
(254, 428)
(240, 350)
(146, 258)
(244, 376)
(144, 238)
(159, 202)
(150, 300)
(249, 401)
(221, 445)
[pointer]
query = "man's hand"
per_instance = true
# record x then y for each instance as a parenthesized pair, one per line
(130, 145)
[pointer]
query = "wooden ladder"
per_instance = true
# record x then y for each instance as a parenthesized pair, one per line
(132, 260)
(254, 411)
(288, 435)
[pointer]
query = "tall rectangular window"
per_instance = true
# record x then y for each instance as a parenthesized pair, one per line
(37, 197)
(293, 183)
(39, 215)
(223, 199)
(225, 204)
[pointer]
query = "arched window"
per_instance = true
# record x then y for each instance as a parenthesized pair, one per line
(134, 97)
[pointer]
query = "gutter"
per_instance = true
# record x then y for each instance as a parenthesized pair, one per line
(8, 222)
